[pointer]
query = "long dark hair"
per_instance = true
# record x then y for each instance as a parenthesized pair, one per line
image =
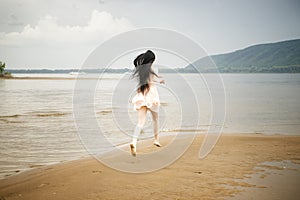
(143, 70)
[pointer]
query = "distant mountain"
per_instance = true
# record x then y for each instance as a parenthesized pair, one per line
(279, 57)
(276, 57)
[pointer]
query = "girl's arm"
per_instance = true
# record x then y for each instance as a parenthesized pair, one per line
(158, 79)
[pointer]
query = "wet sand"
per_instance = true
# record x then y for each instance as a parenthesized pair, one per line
(223, 174)
(273, 180)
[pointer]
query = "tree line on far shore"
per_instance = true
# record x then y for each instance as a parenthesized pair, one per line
(3, 72)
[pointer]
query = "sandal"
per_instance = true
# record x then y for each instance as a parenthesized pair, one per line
(157, 144)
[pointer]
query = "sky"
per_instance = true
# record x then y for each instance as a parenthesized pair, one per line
(37, 34)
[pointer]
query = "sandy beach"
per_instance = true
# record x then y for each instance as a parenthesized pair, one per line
(222, 174)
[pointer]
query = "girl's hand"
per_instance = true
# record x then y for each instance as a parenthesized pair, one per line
(162, 82)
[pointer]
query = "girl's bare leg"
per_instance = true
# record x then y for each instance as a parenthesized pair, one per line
(155, 128)
(142, 113)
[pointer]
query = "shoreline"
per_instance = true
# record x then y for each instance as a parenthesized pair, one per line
(234, 157)
(44, 78)
(12, 77)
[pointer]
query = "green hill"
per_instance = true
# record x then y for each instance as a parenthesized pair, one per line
(277, 57)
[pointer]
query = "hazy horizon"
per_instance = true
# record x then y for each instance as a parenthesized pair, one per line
(131, 67)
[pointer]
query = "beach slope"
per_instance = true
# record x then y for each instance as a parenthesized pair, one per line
(219, 175)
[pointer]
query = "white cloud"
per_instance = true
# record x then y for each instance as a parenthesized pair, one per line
(101, 26)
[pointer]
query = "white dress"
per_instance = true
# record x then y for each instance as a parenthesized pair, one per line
(149, 99)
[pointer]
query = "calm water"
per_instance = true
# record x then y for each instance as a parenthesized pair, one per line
(37, 125)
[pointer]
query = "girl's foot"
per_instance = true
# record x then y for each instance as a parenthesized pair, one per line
(133, 150)
(156, 143)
